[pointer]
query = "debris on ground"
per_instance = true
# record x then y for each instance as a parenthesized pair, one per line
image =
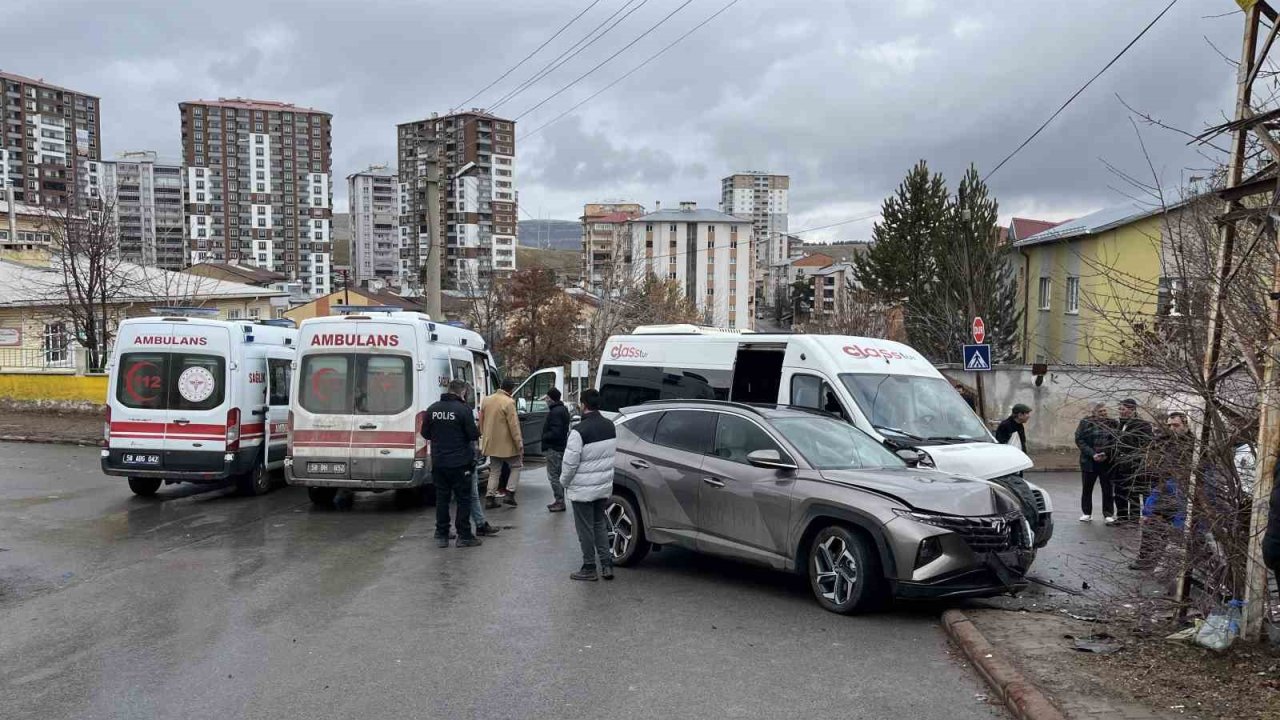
(1100, 643)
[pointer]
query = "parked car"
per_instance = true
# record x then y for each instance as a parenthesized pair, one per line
(800, 490)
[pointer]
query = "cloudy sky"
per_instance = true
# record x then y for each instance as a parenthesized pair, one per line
(843, 95)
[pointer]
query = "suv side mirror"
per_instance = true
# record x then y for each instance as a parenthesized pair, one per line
(770, 459)
(910, 456)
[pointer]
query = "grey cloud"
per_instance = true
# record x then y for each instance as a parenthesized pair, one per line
(842, 94)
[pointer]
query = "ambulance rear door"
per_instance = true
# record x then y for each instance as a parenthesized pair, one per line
(202, 416)
(279, 383)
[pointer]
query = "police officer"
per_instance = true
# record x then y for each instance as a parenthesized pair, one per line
(451, 429)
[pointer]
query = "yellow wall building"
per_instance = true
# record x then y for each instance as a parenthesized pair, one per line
(1086, 284)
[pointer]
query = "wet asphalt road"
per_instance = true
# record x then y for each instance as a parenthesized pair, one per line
(201, 604)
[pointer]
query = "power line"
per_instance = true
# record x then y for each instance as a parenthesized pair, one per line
(530, 55)
(1081, 90)
(573, 51)
(606, 61)
(630, 72)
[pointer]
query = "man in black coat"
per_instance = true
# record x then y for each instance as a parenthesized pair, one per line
(1271, 536)
(1093, 437)
(555, 435)
(1130, 439)
(1014, 425)
(450, 427)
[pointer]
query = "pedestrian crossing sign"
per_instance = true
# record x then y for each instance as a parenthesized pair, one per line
(977, 357)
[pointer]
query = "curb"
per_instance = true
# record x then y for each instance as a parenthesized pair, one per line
(50, 440)
(1023, 700)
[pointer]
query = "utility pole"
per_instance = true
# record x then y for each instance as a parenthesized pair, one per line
(1244, 122)
(1256, 594)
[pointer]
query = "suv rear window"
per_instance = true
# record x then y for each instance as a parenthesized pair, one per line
(356, 384)
(688, 430)
(171, 381)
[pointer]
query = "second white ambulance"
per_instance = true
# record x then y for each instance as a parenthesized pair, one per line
(362, 386)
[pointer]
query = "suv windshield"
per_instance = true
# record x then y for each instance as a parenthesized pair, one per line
(830, 444)
(919, 408)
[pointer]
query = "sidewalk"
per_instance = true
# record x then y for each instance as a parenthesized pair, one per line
(1147, 677)
(57, 427)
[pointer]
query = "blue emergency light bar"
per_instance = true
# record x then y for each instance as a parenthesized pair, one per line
(185, 311)
(349, 309)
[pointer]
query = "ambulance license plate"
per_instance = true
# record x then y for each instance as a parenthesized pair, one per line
(133, 459)
(326, 468)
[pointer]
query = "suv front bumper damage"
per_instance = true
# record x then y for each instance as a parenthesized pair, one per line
(1000, 573)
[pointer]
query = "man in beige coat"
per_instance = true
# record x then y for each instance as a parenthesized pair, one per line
(501, 440)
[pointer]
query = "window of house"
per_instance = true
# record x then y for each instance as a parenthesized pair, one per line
(1045, 288)
(1172, 298)
(56, 342)
(1073, 295)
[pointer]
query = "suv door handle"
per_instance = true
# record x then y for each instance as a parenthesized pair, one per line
(639, 464)
(713, 482)
(368, 426)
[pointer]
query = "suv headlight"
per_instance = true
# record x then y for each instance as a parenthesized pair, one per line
(942, 521)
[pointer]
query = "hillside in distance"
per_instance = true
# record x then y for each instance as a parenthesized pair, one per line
(551, 234)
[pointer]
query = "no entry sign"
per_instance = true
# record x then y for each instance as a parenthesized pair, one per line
(979, 330)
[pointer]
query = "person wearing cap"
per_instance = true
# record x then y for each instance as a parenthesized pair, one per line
(1015, 423)
(555, 435)
(1130, 440)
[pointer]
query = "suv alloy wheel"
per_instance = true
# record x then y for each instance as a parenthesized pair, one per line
(626, 531)
(843, 573)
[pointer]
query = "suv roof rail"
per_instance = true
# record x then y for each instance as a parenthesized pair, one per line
(754, 408)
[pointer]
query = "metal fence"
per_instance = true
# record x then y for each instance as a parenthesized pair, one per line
(70, 357)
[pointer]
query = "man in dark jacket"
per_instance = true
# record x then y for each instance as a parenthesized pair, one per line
(450, 427)
(555, 435)
(1168, 463)
(1131, 436)
(1093, 437)
(1271, 536)
(1014, 424)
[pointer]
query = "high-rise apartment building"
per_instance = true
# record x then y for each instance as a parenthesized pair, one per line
(257, 183)
(468, 160)
(144, 193)
(48, 136)
(707, 253)
(606, 242)
(762, 198)
(375, 219)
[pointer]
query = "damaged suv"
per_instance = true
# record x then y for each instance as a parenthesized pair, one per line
(798, 490)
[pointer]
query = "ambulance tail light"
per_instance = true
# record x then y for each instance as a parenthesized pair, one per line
(421, 448)
(106, 429)
(233, 429)
(288, 429)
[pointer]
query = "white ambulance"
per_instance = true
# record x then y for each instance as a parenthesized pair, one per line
(362, 385)
(193, 399)
(886, 389)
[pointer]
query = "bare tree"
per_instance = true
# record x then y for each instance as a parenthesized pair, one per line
(488, 305)
(856, 312)
(88, 277)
